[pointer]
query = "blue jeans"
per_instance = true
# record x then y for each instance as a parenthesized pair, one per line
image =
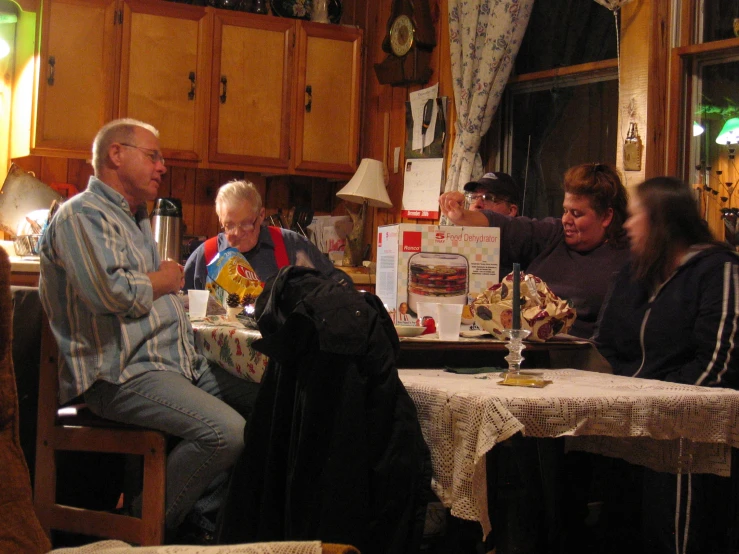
(209, 415)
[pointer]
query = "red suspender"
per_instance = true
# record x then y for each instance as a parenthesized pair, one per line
(211, 248)
(280, 250)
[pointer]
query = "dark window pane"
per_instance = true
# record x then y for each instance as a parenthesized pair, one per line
(566, 32)
(719, 17)
(567, 126)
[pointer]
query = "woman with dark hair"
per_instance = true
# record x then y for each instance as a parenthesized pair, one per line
(672, 312)
(671, 315)
(576, 255)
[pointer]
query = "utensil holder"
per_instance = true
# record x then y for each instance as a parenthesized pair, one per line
(26, 245)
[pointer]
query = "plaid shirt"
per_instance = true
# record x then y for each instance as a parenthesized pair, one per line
(94, 256)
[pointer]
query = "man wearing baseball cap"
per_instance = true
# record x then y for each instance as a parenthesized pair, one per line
(496, 191)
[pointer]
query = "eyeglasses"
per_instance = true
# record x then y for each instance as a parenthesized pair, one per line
(154, 155)
(484, 196)
(244, 226)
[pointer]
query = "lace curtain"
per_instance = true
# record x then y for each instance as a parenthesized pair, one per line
(485, 36)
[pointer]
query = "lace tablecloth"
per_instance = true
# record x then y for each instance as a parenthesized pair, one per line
(464, 416)
(119, 547)
(228, 343)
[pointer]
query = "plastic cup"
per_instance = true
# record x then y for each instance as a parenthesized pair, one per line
(198, 303)
(449, 321)
(426, 309)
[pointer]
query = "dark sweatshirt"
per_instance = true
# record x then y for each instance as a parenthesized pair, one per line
(582, 278)
(685, 331)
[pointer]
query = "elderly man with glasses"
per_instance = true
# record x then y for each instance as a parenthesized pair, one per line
(267, 249)
(495, 192)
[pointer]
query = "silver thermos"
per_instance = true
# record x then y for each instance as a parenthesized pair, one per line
(166, 225)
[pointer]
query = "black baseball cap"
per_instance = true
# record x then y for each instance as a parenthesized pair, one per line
(497, 183)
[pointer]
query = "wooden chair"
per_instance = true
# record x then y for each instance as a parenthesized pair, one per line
(85, 432)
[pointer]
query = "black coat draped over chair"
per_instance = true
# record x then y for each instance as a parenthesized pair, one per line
(333, 450)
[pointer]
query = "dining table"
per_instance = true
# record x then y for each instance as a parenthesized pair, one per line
(664, 426)
(478, 349)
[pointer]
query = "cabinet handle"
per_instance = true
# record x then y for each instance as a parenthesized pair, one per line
(224, 82)
(191, 94)
(50, 78)
(308, 98)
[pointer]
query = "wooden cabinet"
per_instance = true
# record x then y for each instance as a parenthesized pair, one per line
(164, 74)
(226, 89)
(328, 99)
(251, 90)
(76, 74)
(251, 95)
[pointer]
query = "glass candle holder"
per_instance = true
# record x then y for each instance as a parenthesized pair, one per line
(515, 346)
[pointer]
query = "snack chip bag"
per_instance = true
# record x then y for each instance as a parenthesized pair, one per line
(542, 312)
(229, 274)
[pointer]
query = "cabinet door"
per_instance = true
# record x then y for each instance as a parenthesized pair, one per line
(76, 76)
(251, 90)
(164, 72)
(328, 97)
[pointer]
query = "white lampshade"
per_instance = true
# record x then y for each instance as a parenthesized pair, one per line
(367, 184)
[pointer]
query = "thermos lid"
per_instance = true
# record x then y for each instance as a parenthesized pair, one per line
(171, 207)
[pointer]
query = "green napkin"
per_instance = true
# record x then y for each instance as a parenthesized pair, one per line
(473, 370)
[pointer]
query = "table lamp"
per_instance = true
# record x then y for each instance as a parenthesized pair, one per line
(367, 188)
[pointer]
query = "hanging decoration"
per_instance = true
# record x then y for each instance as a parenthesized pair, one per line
(632, 144)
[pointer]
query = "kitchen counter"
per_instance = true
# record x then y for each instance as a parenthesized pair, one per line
(24, 270)
(359, 275)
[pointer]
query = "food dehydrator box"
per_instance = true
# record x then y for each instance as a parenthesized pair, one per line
(429, 263)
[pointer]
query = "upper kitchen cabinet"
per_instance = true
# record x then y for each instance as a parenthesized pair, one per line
(326, 134)
(251, 90)
(226, 89)
(76, 75)
(164, 78)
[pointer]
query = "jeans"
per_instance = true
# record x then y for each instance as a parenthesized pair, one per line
(209, 415)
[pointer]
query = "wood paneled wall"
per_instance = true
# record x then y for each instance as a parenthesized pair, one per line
(383, 121)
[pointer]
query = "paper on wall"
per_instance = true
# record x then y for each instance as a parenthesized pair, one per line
(421, 187)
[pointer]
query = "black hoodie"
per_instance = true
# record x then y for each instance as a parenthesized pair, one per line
(685, 331)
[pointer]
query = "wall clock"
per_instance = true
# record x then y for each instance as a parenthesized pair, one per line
(401, 35)
(409, 41)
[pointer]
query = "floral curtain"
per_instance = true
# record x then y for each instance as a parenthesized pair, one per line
(485, 36)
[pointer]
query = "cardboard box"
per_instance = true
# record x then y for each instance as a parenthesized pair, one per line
(428, 263)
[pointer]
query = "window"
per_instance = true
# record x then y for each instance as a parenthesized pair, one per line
(553, 126)
(705, 97)
(716, 20)
(561, 107)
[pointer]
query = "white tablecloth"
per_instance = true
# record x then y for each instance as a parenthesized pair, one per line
(119, 547)
(464, 416)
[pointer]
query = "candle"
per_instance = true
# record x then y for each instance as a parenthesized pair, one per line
(516, 296)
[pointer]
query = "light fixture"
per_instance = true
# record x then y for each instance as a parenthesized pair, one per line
(697, 129)
(366, 187)
(730, 132)
(8, 16)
